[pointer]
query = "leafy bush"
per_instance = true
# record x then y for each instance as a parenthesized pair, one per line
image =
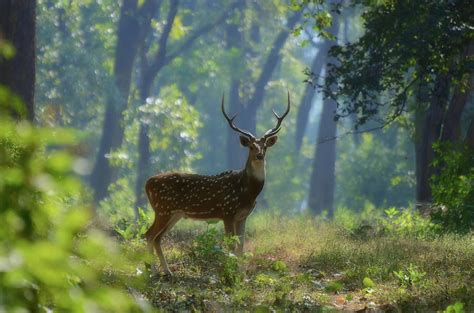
(392, 222)
(377, 171)
(214, 251)
(410, 277)
(453, 188)
(407, 223)
(49, 260)
(130, 229)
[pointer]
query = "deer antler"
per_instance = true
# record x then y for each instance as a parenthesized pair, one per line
(276, 129)
(231, 122)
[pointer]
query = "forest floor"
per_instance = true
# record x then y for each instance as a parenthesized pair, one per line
(299, 264)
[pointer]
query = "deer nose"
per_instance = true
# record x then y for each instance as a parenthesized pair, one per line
(260, 156)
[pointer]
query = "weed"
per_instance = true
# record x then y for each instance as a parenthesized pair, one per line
(410, 277)
(213, 249)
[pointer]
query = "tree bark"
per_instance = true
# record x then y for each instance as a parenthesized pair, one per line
(430, 133)
(18, 27)
(310, 91)
(234, 39)
(322, 182)
(130, 33)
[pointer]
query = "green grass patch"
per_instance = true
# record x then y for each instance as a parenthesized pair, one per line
(300, 263)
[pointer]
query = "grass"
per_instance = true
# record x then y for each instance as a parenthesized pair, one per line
(302, 264)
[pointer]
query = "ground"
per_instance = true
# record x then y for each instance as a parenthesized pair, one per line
(302, 264)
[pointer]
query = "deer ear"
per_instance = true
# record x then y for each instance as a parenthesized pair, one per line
(244, 141)
(271, 141)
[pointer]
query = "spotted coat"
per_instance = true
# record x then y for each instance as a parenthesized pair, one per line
(230, 194)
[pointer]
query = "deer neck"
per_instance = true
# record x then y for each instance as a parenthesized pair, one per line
(255, 173)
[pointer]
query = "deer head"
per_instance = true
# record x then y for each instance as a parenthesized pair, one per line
(257, 146)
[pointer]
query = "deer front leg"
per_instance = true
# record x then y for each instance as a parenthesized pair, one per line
(240, 228)
(229, 227)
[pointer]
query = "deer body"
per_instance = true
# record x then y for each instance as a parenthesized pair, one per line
(229, 196)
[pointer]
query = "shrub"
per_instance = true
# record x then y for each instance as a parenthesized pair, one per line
(49, 260)
(453, 188)
(214, 250)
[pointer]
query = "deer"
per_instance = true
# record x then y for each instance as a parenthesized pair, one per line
(229, 196)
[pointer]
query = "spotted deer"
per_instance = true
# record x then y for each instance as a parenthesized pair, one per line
(229, 196)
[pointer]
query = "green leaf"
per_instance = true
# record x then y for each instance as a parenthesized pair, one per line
(368, 283)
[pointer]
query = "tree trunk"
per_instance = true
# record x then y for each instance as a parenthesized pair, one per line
(310, 91)
(234, 40)
(18, 27)
(322, 182)
(430, 133)
(452, 121)
(129, 36)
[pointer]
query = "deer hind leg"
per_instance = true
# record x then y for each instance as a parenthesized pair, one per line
(155, 234)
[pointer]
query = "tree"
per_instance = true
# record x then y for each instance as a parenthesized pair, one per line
(323, 179)
(134, 19)
(150, 70)
(18, 28)
(409, 48)
(248, 116)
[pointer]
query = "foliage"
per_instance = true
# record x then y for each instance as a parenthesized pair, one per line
(410, 277)
(136, 228)
(213, 249)
(377, 170)
(290, 272)
(453, 188)
(407, 223)
(457, 307)
(74, 71)
(377, 72)
(49, 259)
(173, 128)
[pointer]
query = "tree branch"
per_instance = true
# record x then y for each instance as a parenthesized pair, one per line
(398, 112)
(159, 59)
(198, 33)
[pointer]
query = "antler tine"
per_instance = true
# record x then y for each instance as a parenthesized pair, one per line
(276, 129)
(231, 122)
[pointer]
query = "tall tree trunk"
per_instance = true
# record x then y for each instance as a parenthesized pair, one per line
(308, 96)
(451, 130)
(130, 33)
(18, 27)
(322, 182)
(234, 40)
(469, 140)
(430, 133)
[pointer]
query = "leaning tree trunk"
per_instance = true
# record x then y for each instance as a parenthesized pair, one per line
(17, 27)
(323, 179)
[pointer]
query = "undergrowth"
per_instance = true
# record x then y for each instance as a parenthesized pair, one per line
(394, 261)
